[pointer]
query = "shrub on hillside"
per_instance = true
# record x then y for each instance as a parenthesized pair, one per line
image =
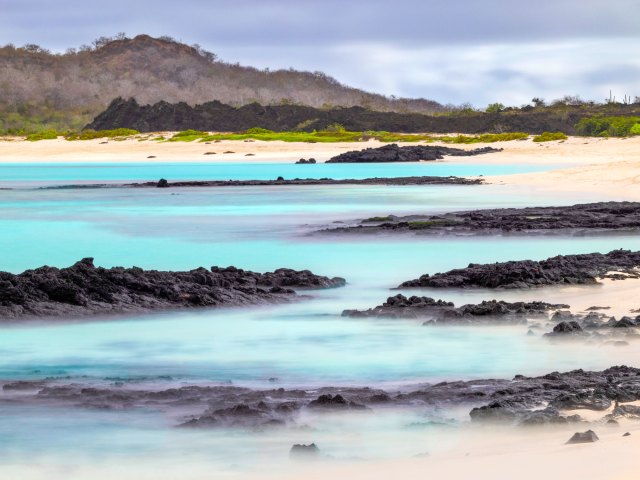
(600, 126)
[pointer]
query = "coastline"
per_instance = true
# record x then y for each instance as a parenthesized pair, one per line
(598, 166)
(578, 151)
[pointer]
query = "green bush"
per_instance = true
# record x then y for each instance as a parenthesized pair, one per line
(600, 126)
(495, 108)
(93, 134)
(256, 130)
(44, 135)
(550, 137)
(189, 133)
(335, 128)
(635, 130)
(486, 138)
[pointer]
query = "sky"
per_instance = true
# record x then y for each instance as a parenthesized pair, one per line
(451, 51)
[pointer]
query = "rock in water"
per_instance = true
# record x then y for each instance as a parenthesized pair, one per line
(583, 437)
(83, 289)
(162, 183)
(301, 451)
(566, 328)
(560, 270)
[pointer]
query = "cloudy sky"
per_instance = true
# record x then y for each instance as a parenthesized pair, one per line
(452, 51)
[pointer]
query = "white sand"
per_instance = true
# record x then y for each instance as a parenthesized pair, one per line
(575, 151)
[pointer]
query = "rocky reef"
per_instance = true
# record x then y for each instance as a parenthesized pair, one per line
(279, 182)
(549, 399)
(440, 312)
(84, 289)
(413, 153)
(576, 219)
(559, 270)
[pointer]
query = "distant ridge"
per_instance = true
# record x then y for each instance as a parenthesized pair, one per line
(68, 90)
(216, 116)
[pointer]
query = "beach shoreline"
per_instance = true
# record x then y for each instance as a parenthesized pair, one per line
(578, 151)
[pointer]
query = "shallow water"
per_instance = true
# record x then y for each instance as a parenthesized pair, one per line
(63, 173)
(301, 344)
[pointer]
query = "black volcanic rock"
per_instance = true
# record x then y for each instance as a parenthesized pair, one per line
(576, 219)
(301, 451)
(334, 402)
(560, 270)
(413, 153)
(217, 116)
(440, 312)
(522, 400)
(83, 289)
(281, 181)
(567, 328)
(584, 437)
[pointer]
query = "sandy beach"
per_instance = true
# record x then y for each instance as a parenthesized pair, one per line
(578, 151)
(611, 166)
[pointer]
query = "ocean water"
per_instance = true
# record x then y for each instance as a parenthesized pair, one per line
(61, 173)
(304, 344)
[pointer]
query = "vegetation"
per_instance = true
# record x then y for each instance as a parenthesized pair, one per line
(44, 135)
(334, 134)
(485, 138)
(550, 137)
(92, 134)
(44, 91)
(601, 126)
(495, 108)
(41, 90)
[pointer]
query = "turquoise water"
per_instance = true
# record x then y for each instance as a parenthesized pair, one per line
(47, 173)
(302, 344)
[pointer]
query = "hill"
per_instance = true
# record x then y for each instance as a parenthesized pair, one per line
(39, 89)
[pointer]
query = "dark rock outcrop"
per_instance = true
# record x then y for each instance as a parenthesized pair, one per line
(83, 289)
(583, 437)
(414, 153)
(441, 312)
(216, 116)
(576, 219)
(560, 270)
(301, 451)
(304, 161)
(566, 328)
(334, 402)
(522, 400)
(281, 181)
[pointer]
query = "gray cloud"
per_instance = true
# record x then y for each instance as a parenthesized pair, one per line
(449, 50)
